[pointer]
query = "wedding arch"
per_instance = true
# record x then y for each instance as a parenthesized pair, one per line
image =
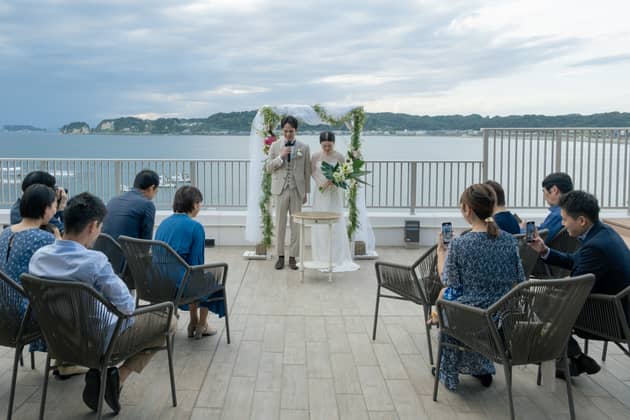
(259, 228)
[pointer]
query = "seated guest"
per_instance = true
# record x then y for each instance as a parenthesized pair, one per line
(554, 185)
(478, 268)
(72, 259)
(602, 253)
(41, 177)
(133, 213)
(502, 217)
(19, 242)
(187, 237)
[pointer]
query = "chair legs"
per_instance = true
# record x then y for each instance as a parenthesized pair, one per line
(169, 349)
(42, 405)
(539, 376)
(32, 360)
(586, 346)
(227, 317)
(101, 392)
(437, 368)
(378, 300)
(427, 316)
(16, 359)
(567, 375)
(507, 369)
(604, 351)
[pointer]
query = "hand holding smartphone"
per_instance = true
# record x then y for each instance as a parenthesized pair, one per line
(447, 232)
(530, 231)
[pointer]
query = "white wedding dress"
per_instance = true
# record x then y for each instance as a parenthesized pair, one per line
(332, 199)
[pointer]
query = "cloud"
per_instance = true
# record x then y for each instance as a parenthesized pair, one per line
(63, 60)
(603, 61)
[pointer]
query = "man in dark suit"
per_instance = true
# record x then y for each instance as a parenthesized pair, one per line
(602, 253)
(133, 213)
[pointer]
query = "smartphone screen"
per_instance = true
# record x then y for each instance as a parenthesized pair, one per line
(447, 232)
(530, 229)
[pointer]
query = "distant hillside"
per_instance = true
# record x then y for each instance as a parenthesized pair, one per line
(17, 128)
(380, 122)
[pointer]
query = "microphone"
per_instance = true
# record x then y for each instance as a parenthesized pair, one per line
(289, 144)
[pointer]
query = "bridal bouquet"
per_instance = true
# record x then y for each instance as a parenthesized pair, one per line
(345, 175)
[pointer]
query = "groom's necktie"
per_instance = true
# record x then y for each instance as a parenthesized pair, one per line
(289, 144)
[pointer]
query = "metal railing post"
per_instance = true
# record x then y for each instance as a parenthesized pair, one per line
(412, 188)
(485, 154)
(193, 173)
(557, 138)
(118, 176)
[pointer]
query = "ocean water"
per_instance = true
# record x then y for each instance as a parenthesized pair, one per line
(59, 146)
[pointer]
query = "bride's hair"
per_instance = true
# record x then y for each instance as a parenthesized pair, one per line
(326, 136)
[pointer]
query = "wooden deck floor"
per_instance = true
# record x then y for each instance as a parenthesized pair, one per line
(304, 351)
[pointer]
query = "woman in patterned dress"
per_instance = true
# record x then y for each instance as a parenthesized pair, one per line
(477, 269)
(19, 242)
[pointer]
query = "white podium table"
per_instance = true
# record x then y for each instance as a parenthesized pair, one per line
(316, 218)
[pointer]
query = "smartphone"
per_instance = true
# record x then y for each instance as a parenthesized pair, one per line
(447, 232)
(530, 230)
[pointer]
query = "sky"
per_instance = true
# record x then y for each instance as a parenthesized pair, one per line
(87, 60)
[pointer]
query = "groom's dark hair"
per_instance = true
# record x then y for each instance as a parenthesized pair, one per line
(291, 120)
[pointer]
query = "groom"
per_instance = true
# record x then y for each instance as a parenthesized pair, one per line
(290, 165)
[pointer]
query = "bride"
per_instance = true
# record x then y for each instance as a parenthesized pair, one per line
(328, 197)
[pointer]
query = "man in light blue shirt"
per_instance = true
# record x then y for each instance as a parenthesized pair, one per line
(554, 185)
(71, 259)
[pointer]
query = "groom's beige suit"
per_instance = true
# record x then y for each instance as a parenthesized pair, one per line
(290, 183)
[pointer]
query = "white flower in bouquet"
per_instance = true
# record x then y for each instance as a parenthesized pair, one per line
(346, 168)
(338, 177)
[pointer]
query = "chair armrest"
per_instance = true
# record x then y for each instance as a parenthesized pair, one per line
(624, 293)
(144, 329)
(156, 307)
(203, 280)
(470, 325)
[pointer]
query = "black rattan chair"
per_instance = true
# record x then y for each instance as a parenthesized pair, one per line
(605, 318)
(82, 328)
(157, 269)
(17, 329)
(418, 283)
(529, 257)
(112, 249)
(529, 325)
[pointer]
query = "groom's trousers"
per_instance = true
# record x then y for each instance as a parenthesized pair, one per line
(289, 200)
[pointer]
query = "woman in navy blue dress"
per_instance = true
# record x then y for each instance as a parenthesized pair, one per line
(502, 216)
(477, 269)
(187, 237)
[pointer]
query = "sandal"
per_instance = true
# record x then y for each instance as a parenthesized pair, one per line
(204, 331)
(191, 330)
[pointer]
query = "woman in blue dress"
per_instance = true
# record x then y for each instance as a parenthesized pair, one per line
(187, 237)
(19, 242)
(477, 269)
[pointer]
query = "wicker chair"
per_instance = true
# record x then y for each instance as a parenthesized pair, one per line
(606, 317)
(112, 249)
(157, 269)
(530, 324)
(418, 283)
(529, 257)
(83, 328)
(17, 329)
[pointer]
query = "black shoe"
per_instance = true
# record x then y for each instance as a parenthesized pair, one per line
(486, 380)
(574, 369)
(280, 263)
(587, 364)
(91, 390)
(433, 371)
(112, 389)
(292, 263)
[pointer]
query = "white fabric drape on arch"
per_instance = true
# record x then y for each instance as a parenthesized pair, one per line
(307, 114)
